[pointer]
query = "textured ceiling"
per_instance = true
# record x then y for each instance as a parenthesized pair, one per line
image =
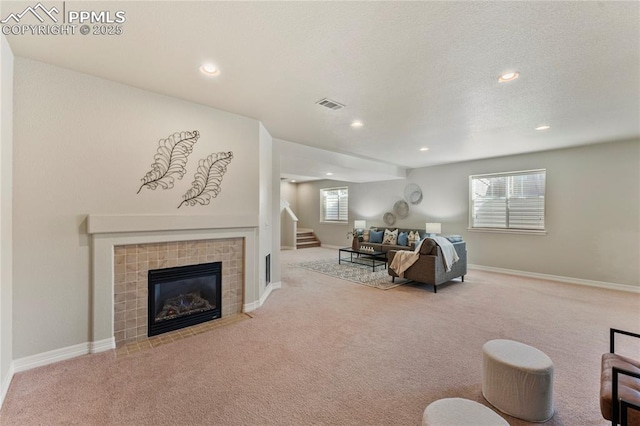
(416, 73)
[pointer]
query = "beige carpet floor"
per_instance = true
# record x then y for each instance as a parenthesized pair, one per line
(324, 351)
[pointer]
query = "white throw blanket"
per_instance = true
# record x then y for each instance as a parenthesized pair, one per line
(449, 254)
(404, 259)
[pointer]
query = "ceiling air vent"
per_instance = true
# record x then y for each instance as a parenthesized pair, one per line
(330, 104)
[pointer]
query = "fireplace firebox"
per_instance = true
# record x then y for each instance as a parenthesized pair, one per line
(183, 296)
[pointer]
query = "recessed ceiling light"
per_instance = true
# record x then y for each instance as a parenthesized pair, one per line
(508, 76)
(545, 127)
(357, 123)
(329, 174)
(293, 180)
(209, 69)
(424, 148)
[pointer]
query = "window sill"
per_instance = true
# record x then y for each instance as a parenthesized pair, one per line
(334, 222)
(509, 231)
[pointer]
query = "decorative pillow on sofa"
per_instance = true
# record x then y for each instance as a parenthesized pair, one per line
(365, 235)
(403, 239)
(375, 236)
(416, 241)
(390, 237)
(411, 238)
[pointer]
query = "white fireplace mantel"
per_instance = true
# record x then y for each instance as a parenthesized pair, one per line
(101, 224)
(108, 231)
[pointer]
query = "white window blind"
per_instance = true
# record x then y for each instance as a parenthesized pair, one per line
(513, 200)
(334, 204)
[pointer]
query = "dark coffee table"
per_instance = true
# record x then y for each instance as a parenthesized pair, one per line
(368, 258)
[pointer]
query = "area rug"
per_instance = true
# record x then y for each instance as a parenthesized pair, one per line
(360, 274)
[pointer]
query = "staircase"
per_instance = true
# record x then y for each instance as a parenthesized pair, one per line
(306, 238)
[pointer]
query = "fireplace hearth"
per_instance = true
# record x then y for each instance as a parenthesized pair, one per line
(183, 296)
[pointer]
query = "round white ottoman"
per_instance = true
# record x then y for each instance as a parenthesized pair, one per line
(460, 412)
(517, 379)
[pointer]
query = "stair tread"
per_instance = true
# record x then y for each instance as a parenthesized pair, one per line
(306, 238)
(308, 246)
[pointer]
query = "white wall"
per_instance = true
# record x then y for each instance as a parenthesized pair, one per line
(82, 145)
(6, 214)
(266, 196)
(275, 214)
(592, 211)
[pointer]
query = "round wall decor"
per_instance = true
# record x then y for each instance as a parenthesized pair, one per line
(413, 194)
(389, 219)
(401, 209)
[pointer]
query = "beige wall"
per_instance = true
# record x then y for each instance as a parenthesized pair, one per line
(6, 214)
(289, 193)
(592, 211)
(309, 212)
(81, 146)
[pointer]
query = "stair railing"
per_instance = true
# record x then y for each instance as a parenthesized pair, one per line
(289, 227)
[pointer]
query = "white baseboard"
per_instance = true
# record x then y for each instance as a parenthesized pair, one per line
(276, 285)
(568, 280)
(6, 383)
(266, 294)
(46, 358)
(57, 355)
(248, 307)
(102, 345)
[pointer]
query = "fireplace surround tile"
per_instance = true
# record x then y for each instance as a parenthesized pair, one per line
(132, 263)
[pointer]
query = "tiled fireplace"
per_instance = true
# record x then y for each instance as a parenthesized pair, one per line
(125, 248)
(131, 266)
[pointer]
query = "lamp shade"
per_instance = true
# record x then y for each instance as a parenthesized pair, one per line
(360, 224)
(433, 228)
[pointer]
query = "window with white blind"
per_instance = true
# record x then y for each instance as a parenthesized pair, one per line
(512, 201)
(334, 205)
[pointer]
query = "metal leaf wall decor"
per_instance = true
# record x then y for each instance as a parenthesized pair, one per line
(207, 180)
(170, 160)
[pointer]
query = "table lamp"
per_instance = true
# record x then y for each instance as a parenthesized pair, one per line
(433, 228)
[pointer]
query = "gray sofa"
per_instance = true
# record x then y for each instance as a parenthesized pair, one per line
(430, 267)
(386, 247)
